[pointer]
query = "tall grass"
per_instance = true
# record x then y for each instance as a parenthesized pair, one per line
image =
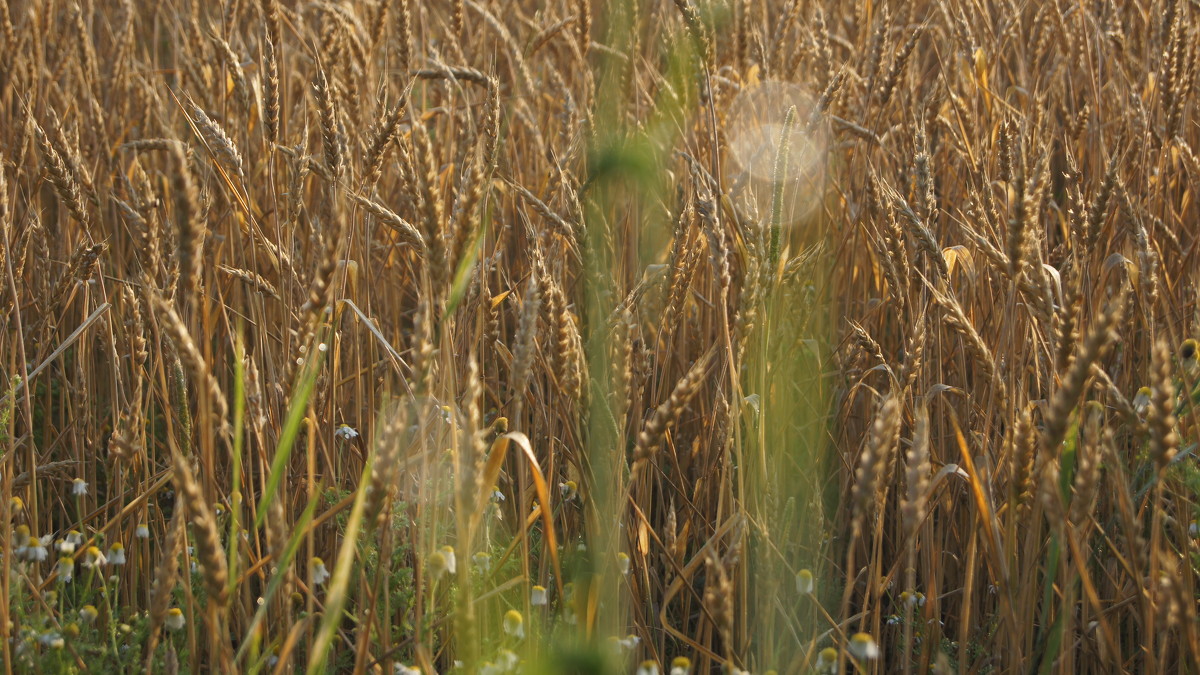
(627, 336)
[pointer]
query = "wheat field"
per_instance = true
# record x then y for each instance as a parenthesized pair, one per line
(655, 337)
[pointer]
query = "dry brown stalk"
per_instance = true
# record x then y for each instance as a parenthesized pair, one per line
(408, 233)
(189, 250)
(917, 472)
(331, 138)
(383, 138)
(1066, 398)
(190, 354)
(60, 176)
(525, 345)
(576, 197)
(208, 541)
(876, 454)
(651, 435)
(888, 86)
(271, 96)
(252, 279)
(1160, 417)
(166, 575)
(224, 150)
(983, 357)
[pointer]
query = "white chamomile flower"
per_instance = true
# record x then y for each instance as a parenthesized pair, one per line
(862, 646)
(630, 641)
(346, 432)
(79, 487)
(175, 620)
(116, 554)
(569, 490)
(52, 640)
(514, 624)
(1141, 401)
(92, 557)
(681, 665)
(827, 660)
(142, 531)
(66, 569)
(320, 574)
(539, 596)
(451, 559)
(483, 561)
(438, 565)
(20, 539)
(507, 660)
(804, 582)
(401, 669)
(88, 614)
(623, 562)
(35, 550)
(648, 668)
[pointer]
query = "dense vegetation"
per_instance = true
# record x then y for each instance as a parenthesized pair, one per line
(658, 337)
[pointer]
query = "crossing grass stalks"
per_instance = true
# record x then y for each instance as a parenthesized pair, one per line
(673, 336)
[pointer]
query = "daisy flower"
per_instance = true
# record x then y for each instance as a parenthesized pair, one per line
(827, 660)
(66, 569)
(52, 640)
(88, 614)
(514, 624)
(863, 647)
(507, 660)
(804, 582)
(438, 565)
(175, 620)
(35, 550)
(451, 560)
(569, 490)
(92, 557)
(320, 574)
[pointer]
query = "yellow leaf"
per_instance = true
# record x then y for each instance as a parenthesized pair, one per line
(981, 67)
(752, 76)
(496, 300)
(955, 255)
